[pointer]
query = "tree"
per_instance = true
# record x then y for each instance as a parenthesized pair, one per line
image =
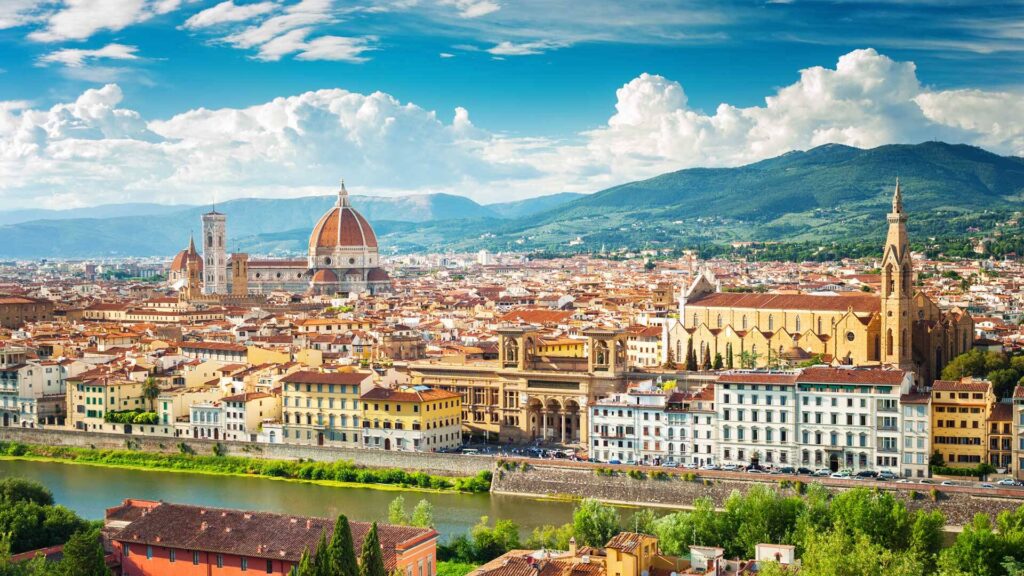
(84, 555)
(342, 549)
(594, 523)
(728, 356)
(643, 521)
(719, 363)
(14, 490)
(489, 543)
(305, 567)
(322, 557)
(423, 514)
(670, 358)
(371, 560)
(977, 551)
(839, 553)
(926, 537)
(691, 357)
(150, 391)
(706, 363)
(550, 537)
(396, 511)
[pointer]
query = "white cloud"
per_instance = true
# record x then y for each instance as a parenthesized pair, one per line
(77, 57)
(228, 12)
(80, 19)
(446, 55)
(15, 13)
(337, 48)
(94, 150)
(472, 8)
(507, 48)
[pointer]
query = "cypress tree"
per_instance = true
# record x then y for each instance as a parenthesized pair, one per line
(728, 357)
(305, 567)
(343, 551)
(706, 363)
(371, 561)
(691, 357)
(322, 557)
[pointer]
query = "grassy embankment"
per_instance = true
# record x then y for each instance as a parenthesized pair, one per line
(340, 472)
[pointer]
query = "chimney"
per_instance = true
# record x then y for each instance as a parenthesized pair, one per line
(203, 526)
(309, 524)
(572, 547)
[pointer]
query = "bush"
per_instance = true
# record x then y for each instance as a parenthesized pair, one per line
(976, 471)
(660, 475)
(934, 495)
(636, 475)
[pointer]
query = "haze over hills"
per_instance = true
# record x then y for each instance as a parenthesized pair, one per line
(831, 192)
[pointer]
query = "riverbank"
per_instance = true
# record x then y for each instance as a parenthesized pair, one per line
(338, 473)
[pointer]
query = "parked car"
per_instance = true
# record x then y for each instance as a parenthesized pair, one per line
(843, 475)
(948, 483)
(690, 465)
(904, 481)
(788, 470)
(709, 467)
(1008, 482)
(730, 467)
(823, 472)
(886, 475)
(985, 485)
(867, 474)
(925, 481)
(615, 461)
(802, 470)
(753, 470)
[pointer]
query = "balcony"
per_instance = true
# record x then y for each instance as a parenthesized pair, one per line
(888, 449)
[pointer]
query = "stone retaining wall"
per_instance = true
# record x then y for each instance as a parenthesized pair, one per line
(676, 492)
(444, 464)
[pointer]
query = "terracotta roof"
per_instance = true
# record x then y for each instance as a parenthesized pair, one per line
(625, 541)
(847, 376)
(536, 316)
(342, 226)
(859, 302)
(915, 398)
(408, 395)
(214, 346)
(255, 534)
(961, 386)
(1001, 412)
(312, 377)
(1018, 392)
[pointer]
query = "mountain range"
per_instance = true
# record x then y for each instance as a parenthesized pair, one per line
(828, 193)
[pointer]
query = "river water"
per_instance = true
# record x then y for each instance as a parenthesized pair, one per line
(88, 490)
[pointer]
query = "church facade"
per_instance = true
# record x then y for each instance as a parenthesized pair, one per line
(898, 327)
(342, 259)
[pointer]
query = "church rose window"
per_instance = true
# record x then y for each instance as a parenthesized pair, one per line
(850, 336)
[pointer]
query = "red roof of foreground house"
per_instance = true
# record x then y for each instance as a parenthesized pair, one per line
(408, 394)
(252, 534)
(878, 376)
(960, 386)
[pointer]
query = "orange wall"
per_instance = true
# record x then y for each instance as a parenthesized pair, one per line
(136, 564)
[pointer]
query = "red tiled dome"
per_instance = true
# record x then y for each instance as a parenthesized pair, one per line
(181, 259)
(342, 226)
(325, 277)
(377, 275)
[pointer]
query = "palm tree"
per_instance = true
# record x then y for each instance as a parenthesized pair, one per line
(151, 391)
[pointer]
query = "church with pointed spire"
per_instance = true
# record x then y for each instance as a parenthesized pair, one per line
(898, 327)
(342, 259)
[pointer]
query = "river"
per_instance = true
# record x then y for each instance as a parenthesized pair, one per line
(88, 490)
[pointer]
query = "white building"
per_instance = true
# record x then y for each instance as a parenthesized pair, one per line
(917, 432)
(821, 417)
(206, 420)
(630, 426)
(215, 260)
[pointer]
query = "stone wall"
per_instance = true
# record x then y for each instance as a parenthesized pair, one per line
(445, 464)
(677, 492)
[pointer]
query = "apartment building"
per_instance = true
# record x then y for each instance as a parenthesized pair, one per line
(917, 434)
(323, 407)
(756, 421)
(244, 414)
(415, 418)
(678, 428)
(1018, 432)
(91, 395)
(630, 426)
(960, 415)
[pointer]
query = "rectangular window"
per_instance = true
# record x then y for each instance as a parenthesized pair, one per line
(270, 566)
(172, 555)
(149, 552)
(245, 564)
(195, 558)
(127, 550)
(220, 560)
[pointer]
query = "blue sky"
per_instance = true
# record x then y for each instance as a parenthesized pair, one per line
(172, 100)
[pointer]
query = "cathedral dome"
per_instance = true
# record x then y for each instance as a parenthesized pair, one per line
(325, 277)
(342, 227)
(180, 263)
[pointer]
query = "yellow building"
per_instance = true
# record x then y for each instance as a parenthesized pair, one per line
(1018, 432)
(631, 554)
(92, 395)
(899, 327)
(528, 395)
(960, 416)
(417, 418)
(562, 347)
(323, 407)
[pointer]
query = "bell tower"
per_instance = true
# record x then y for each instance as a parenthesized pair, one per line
(897, 292)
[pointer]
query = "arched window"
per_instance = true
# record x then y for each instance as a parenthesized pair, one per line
(819, 325)
(694, 319)
(719, 320)
(888, 342)
(771, 322)
(906, 279)
(798, 324)
(890, 281)
(903, 343)
(744, 321)
(209, 240)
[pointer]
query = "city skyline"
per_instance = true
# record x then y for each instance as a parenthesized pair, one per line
(187, 102)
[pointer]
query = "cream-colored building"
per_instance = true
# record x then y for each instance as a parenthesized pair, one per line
(413, 418)
(244, 414)
(323, 407)
(899, 327)
(91, 396)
